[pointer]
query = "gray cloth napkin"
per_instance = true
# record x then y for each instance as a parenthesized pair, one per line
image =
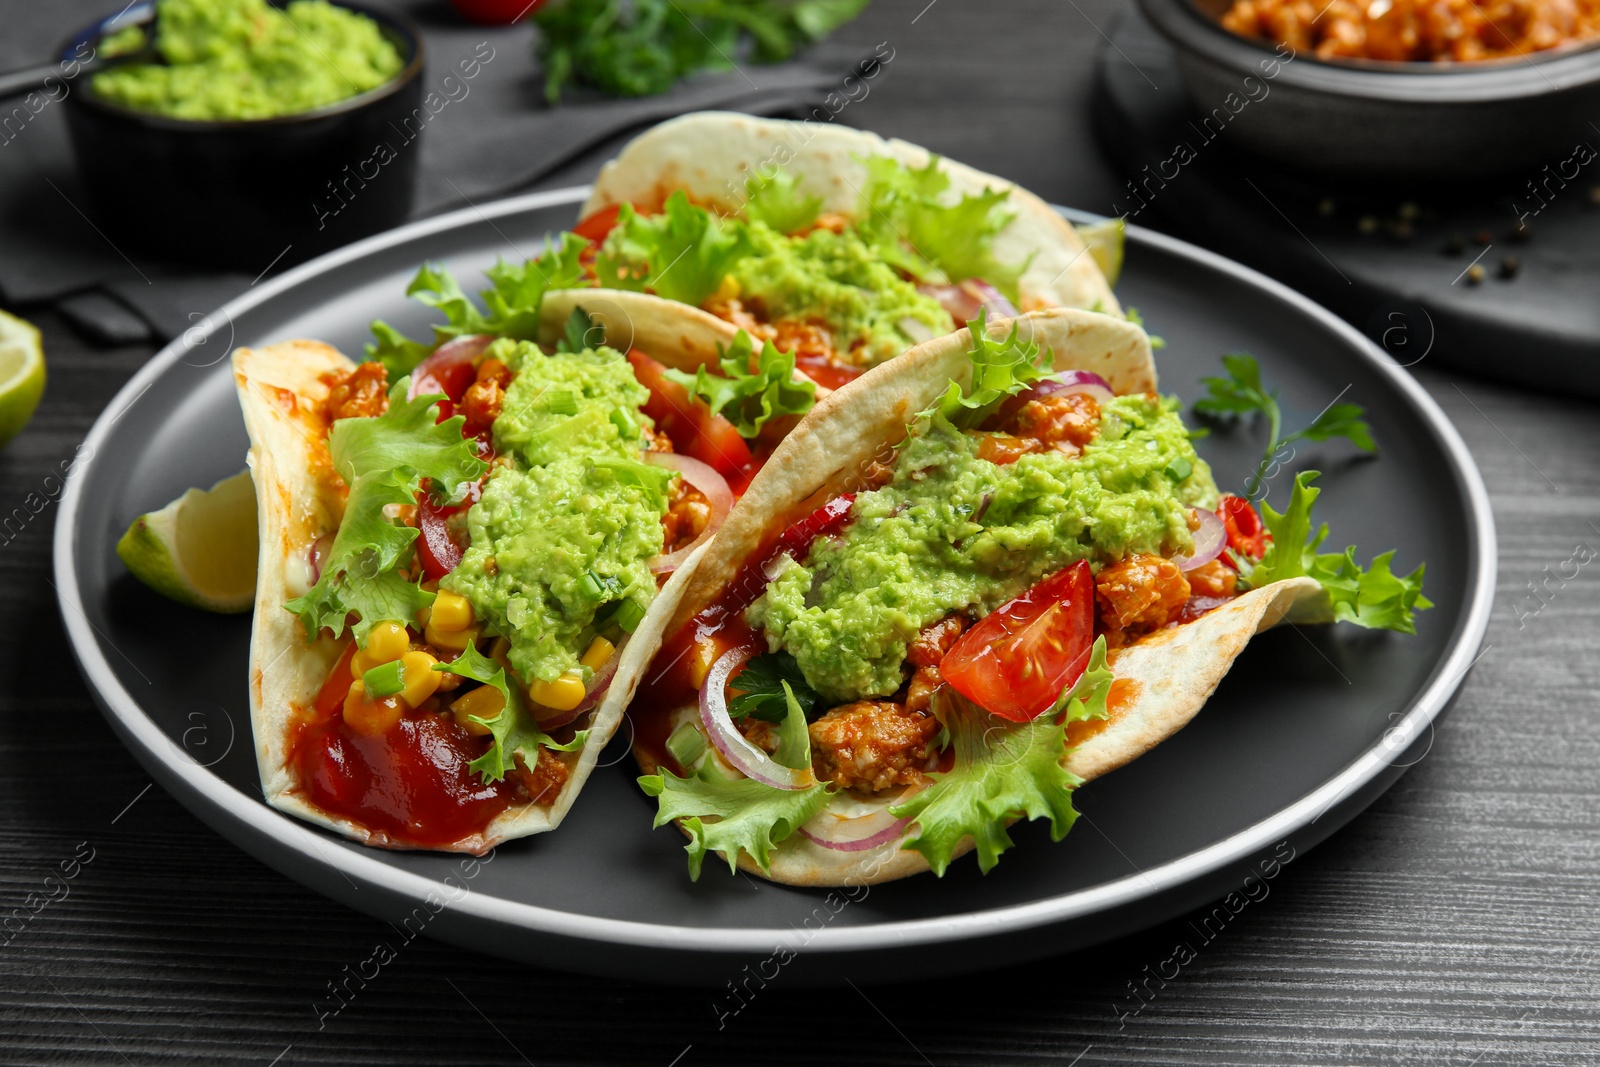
(496, 135)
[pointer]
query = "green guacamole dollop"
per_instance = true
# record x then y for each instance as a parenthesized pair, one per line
(954, 532)
(244, 59)
(842, 280)
(575, 501)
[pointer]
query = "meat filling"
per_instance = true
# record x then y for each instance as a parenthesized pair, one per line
(1139, 594)
(873, 745)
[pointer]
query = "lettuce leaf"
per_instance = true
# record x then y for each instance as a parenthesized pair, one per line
(1003, 771)
(681, 254)
(1000, 369)
(777, 202)
(512, 302)
(514, 729)
(1374, 596)
(750, 398)
(747, 816)
(907, 216)
(384, 460)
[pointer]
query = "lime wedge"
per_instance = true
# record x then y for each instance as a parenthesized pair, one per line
(199, 550)
(1104, 239)
(21, 375)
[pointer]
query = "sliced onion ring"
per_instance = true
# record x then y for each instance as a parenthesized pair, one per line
(1067, 382)
(964, 300)
(746, 758)
(991, 298)
(861, 833)
(1209, 540)
(715, 487)
(461, 350)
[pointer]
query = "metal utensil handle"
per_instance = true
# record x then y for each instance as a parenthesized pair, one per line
(18, 82)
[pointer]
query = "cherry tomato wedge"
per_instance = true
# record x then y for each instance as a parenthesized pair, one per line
(439, 549)
(827, 520)
(598, 226)
(450, 369)
(689, 422)
(1246, 535)
(1016, 662)
(496, 12)
(330, 698)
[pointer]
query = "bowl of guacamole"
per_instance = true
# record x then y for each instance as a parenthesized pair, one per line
(257, 128)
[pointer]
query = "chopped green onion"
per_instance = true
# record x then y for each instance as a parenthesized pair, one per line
(385, 680)
(630, 613)
(601, 587)
(626, 423)
(561, 402)
(1179, 469)
(687, 744)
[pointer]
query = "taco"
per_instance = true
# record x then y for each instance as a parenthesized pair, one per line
(840, 247)
(974, 579)
(463, 570)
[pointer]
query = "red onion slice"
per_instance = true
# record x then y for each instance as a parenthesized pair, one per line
(317, 556)
(863, 832)
(1086, 382)
(746, 758)
(964, 300)
(715, 487)
(597, 692)
(1209, 540)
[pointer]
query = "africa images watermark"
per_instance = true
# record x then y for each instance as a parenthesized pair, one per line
(56, 88)
(343, 188)
(1254, 889)
(342, 990)
(1143, 189)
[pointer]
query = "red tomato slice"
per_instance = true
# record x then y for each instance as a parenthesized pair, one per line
(330, 698)
(688, 421)
(438, 549)
(827, 520)
(1017, 661)
(598, 226)
(452, 367)
(1246, 535)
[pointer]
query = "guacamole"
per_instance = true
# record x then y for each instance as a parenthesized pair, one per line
(842, 280)
(244, 59)
(954, 532)
(577, 509)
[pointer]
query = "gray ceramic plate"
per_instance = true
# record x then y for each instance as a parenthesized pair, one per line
(1306, 730)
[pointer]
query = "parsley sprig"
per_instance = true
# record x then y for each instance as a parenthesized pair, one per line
(1239, 394)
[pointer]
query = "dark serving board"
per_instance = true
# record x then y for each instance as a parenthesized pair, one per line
(1390, 260)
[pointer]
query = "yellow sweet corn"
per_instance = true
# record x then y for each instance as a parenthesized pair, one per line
(563, 694)
(421, 678)
(598, 652)
(451, 612)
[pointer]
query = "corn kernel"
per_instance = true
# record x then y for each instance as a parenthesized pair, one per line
(453, 640)
(361, 663)
(421, 678)
(369, 717)
(386, 642)
(450, 612)
(485, 702)
(563, 694)
(701, 657)
(599, 651)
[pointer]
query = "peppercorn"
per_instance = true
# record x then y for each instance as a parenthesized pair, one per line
(1368, 224)
(1509, 267)
(1475, 274)
(1455, 245)
(1483, 237)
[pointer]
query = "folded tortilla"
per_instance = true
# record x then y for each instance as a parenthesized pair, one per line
(711, 154)
(1166, 677)
(300, 498)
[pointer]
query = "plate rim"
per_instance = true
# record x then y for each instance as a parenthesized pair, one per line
(149, 743)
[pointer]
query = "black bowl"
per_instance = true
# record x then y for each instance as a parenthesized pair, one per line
(1379, 120)
(240, 194)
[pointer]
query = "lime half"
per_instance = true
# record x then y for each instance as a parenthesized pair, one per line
(21, 375)
(200, 550)
(1104, 239)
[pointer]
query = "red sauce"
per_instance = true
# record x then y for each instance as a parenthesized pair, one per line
(411, 783)
(826, 370)
(1124, 691)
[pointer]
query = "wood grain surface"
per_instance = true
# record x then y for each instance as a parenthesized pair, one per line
(1457, 921)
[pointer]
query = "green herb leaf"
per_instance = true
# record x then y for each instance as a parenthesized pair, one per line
(750, 398)
(766, 685)
(1003, 771)
(384, 460)
(733, 815)
(643, 47)
(1000, 369)
(907, 217)
(514, 729)
(777, 202)
(1374, 597)
(681, 254)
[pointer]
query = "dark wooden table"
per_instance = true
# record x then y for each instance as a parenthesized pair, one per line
(1455, 922)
